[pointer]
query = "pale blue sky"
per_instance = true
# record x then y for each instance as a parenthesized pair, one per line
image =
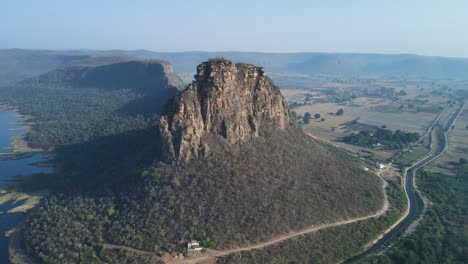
(426, 27)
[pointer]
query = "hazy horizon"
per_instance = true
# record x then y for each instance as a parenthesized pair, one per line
(231, 51)
(427, 28)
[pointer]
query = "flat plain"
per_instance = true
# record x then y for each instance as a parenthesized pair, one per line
(367, 105)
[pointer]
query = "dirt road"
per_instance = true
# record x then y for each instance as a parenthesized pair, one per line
(210, 255)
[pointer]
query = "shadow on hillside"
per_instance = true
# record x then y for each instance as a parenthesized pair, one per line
(107, 163)
(149, 105)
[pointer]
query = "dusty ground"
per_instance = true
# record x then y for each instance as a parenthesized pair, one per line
(391, 174)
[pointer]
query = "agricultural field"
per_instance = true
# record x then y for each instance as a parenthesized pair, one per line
(457, 148)
(368, 104)
(409, 156)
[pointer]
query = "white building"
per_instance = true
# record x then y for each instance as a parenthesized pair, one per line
(193, 247)
(381, 166)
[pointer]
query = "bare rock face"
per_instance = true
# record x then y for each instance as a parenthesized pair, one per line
(226, 99)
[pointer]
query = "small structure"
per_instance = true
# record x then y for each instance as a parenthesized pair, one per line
(381, 166)
(366, 169)
(193, 248)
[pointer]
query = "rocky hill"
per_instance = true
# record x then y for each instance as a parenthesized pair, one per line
(233, 170)
(226, 99)
(112, 73)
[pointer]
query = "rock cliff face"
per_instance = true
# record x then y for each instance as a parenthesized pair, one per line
(231, 100)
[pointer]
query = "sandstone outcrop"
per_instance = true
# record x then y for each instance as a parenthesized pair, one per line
(230, 100)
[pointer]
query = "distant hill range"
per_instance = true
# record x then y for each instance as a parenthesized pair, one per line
(329, 63)
(18, 64)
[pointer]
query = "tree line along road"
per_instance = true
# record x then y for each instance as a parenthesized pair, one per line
(413, 211)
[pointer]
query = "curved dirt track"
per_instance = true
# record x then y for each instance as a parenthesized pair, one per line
(210, 255)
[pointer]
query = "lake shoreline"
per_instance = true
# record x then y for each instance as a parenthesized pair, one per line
(20, 148)
(16, 250)
(8, 107)
(18, 203)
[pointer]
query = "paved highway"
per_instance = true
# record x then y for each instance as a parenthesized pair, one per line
(414, 199)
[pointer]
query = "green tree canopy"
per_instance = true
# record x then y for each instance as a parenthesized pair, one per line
(306, 118)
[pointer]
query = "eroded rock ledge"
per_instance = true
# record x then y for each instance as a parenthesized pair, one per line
(226, 99)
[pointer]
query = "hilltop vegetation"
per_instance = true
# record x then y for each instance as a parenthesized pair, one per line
(235, 196)
(331, 245)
